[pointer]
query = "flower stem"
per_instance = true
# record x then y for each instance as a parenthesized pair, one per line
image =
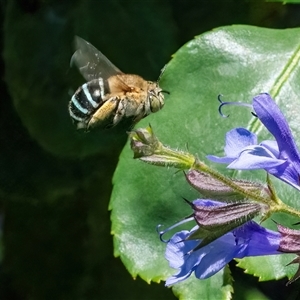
(148, 148)
(185, 160)
(282, 207)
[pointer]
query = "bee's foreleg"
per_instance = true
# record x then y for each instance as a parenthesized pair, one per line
(120, 111)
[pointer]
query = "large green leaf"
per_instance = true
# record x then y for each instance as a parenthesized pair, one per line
(239, 62)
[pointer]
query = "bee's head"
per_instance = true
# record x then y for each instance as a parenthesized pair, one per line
(156, 98)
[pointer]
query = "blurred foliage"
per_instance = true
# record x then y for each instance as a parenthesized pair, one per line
(285, 1)
(55, 182)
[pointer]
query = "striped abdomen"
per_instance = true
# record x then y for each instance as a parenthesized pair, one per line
(87, 100)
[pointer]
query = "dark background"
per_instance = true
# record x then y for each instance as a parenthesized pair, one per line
(55, 182)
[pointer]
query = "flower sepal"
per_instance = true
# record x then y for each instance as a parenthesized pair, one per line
(215, 220)
(290, 243)
(210, 187)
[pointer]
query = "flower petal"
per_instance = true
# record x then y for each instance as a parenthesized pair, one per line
(287, 173)
(271, 116)
(205, 262)
(220, 160)
(259, 240)
(218, 255)
(271, 146)
(237, 139)
(256, 157)
(176, 254)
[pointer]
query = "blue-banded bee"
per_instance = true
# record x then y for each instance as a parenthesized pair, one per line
(109, 95)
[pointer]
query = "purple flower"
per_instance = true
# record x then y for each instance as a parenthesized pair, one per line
(280, 158)
(250, 239)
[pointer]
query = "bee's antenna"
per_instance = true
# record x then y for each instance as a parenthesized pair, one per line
(165, 92)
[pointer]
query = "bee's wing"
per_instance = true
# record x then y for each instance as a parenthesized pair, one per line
(91, 62)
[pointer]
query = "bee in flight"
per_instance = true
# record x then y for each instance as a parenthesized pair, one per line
(109, 95)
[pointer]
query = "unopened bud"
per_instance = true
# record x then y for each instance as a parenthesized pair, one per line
(148, 148)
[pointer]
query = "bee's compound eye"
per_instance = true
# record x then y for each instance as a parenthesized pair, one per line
(156, 101)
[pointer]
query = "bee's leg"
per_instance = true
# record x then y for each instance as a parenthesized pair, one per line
(138, 118)
(103, 116)
(82, 125)
(120, 111)
(141, 114)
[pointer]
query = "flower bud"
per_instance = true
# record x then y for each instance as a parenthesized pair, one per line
(148, 148)
(143, 142)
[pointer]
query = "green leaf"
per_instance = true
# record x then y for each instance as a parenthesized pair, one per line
(238, 62)
(262, 267)
(216, 287)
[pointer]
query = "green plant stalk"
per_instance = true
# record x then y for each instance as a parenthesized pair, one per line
(188, 161)
(275, 206)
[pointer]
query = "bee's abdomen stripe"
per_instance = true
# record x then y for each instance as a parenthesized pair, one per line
(87, 99)
(77, 104)
(75, 113)
(95, 91)
(89, 96)
(75, 117)
(101, 84)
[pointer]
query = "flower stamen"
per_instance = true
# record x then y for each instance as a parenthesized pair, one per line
(232, 103)
(163, 232)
